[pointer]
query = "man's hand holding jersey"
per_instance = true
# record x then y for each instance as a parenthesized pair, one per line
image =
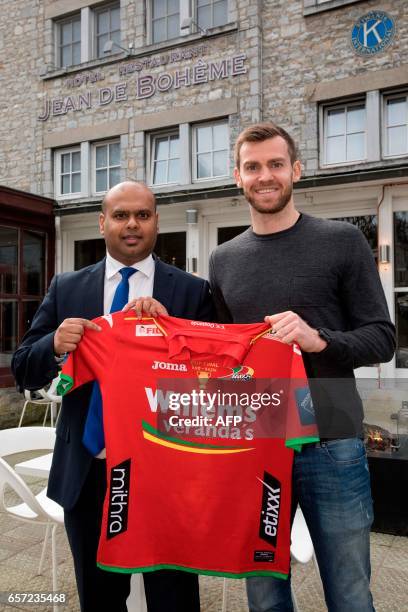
(145, 306)
(288, 327)
(69, 334)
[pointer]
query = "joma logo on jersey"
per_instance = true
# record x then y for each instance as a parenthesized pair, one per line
(118, 499)
(163, 365)
(148, 330)
(269, 519)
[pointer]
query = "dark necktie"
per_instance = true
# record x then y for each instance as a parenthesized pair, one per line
(93, 438)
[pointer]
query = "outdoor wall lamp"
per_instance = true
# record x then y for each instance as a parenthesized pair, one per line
(191, 216)
(384, 254)
(107, 48)
(188, 22)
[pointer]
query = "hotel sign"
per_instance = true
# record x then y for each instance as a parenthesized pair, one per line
(146, 85)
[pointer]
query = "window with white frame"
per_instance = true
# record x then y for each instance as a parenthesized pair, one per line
(68, 172)
(69, 41)
(102, 24)
(165, 20)
(396, 125)
(107, 27)
(344, 133)
(107, 165)
(165, 158)
(188, 153)
(211, 13)
(211, 150)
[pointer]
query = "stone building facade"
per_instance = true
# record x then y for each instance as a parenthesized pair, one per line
(157, 90)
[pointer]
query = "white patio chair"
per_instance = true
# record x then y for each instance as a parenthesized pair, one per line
(46, 397)
(32, 508)
(301, 547)
(301, 550)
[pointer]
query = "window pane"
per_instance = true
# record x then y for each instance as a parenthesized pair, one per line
(66, 56)
(101, 156)
(32, 280)
(204, 165)
(336, 124)
(204, 17)
(401, 249)
(102, 40)
(220, 13)
(76, 53)
(397, 140)
(401, 321)
(355, 146)
(173, 6)
(65, 184)
(115, 19)
(356, 119)
(173, 26)
(220, 135)
(174, 146)
(203, 2)
(29, 309)
(335, 150)
(8, 260)
(220, 163)
(159, 8)
(160, 170)
(66, 33)
(101, 180)
(88, 252)
(368, 225)
(162, 148)
(204, 139)
(8, 331)
(114, 154)
(103, 22)
(76, 161)
(159, 30)
(115, 36)
(171, 248)
(174, 171)
(397, 111)
(76, 182)
(114, 176)
(76, 30)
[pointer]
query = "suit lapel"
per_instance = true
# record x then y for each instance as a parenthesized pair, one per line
(93, 290)
(164, 284)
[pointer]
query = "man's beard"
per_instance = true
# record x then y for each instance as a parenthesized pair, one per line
(274, 208)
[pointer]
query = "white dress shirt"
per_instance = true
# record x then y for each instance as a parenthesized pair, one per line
(140, 285)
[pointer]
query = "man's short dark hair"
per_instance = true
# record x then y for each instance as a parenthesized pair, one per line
(260, 132)
(104, 199)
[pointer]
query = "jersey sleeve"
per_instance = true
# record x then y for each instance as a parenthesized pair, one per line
(88, 361)
(301, 427)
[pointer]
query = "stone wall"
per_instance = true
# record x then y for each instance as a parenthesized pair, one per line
(300, 52)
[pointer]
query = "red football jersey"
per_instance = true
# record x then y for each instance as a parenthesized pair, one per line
(209, 496)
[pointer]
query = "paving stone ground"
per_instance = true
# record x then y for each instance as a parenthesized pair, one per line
(21, 544)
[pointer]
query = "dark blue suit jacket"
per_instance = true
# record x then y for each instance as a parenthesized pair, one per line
(80, 294)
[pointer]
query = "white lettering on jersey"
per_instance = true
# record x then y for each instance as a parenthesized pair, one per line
(157, 399)
(163, 365)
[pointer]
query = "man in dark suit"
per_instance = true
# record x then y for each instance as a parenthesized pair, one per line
(129, 224)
